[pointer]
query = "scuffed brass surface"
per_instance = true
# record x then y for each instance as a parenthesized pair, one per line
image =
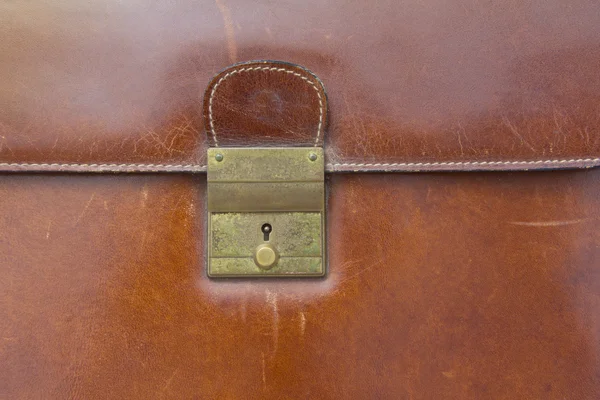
(266, 256)
(286, 267)
(238, 234)
(296, 237)
(289, 164)
(250, 188)
(266, 196)
(272, 179)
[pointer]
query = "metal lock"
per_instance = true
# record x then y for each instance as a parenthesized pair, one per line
(266, 212)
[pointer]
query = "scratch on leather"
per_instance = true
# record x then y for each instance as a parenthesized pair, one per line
(229, 32)
(543, 224)
(87, 205)
(272, 300)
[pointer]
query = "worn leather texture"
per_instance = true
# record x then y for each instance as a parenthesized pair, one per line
(412, 84)
(463, 285)
(440, 286)
(264, 104)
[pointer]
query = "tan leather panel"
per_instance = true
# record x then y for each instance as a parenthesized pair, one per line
(458, 286)
(415, 82)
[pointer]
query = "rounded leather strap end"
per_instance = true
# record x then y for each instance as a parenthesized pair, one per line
(265, 103)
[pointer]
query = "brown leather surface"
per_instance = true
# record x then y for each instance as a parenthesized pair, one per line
(440, 286)
(265, 104)
(415, 82)
(458, 286)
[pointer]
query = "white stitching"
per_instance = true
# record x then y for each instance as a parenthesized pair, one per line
(287, 71)
(124, 167)
(202, 168)
(459, 163)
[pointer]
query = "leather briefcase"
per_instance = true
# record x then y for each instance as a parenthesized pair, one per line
(404, 207)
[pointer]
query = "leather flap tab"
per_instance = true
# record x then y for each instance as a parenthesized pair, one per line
(265, 103)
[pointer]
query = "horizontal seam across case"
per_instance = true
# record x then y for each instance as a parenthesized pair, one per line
(329, 167)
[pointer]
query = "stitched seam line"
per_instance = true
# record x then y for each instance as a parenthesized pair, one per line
(275, 69)
(200, 168)
(458, 163)
(116, 166)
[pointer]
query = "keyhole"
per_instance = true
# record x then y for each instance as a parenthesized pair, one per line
(266, 230)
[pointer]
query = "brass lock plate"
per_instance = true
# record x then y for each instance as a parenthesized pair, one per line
(266, 212)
